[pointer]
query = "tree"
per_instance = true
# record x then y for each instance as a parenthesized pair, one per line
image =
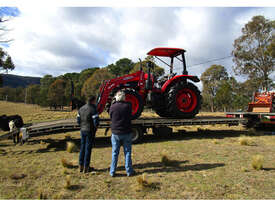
(86, 73)
(1, 81)
(224, 96)
(20, 94)
(253, 52)
(32, 94)
(92, 84)
(121, 67)
(5, 61)
(212, 80)
(56, 94)
(45, 84)
(7, 94)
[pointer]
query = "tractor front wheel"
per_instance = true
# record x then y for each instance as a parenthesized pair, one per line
(136, 101)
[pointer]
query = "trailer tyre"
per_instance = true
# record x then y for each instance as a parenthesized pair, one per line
(163, 131)
(137, 134)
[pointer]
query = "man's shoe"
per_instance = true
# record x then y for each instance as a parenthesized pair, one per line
(88, 169)
(132, 173)
(81, 168)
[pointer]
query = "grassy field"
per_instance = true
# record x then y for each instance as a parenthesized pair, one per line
(210, 162)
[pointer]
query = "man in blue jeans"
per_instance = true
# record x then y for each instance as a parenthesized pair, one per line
(88, 120)
(120, 113)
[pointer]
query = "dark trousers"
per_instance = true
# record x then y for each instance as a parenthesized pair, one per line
(87, 141)
(16, 138)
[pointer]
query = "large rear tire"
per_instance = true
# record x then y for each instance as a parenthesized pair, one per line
(184, 101)
(136, 101)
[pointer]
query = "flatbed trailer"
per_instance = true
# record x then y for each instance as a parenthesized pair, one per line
(255, 119)
(159, 126)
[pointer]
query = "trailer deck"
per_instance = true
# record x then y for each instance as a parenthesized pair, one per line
(255, 119)
(140, 125)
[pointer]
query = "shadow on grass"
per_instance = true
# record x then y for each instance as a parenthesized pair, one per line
(195, 167)
(4, 145)
(57, 110)
(269, 169)
(75, 187)
(55, 145)
(176, 136)
(49, 145)
(157, 167)
(3, 152)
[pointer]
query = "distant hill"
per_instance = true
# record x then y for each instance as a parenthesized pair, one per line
(10, 80)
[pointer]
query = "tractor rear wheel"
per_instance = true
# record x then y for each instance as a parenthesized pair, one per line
(184, 101)
(136, 101)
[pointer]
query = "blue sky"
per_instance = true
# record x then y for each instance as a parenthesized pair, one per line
(9, 11)
(56, 40)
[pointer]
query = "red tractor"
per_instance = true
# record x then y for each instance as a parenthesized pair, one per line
(173, 96)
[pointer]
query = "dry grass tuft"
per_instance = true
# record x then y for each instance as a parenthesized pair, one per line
(246, 141)
(41, 195)
(58, 196)
(166, 162)
(64, 172)
(244, 169)
(143, 183)
(257, 162)
(252, 132)
(215, 141)
(71, 147)
(43, 145)
(17, 176)
(68, 182)
(66, 163)
(68, 137)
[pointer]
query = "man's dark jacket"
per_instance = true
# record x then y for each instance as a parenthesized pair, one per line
(87, 118)
(120, 113)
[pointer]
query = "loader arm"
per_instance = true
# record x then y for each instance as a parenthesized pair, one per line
(135, 80)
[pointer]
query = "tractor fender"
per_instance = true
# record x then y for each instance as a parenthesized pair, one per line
(178, 78)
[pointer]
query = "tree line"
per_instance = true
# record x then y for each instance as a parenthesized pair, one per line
(59, 91)
(253, 55)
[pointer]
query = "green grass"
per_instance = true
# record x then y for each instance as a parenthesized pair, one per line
(211, 164)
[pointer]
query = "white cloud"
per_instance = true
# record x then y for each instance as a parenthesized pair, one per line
(56, 40)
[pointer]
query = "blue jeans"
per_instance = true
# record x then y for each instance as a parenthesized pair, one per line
(126, 141)
(87, 141)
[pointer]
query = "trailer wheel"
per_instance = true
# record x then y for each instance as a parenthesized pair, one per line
(163, 131)
(137, 133)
